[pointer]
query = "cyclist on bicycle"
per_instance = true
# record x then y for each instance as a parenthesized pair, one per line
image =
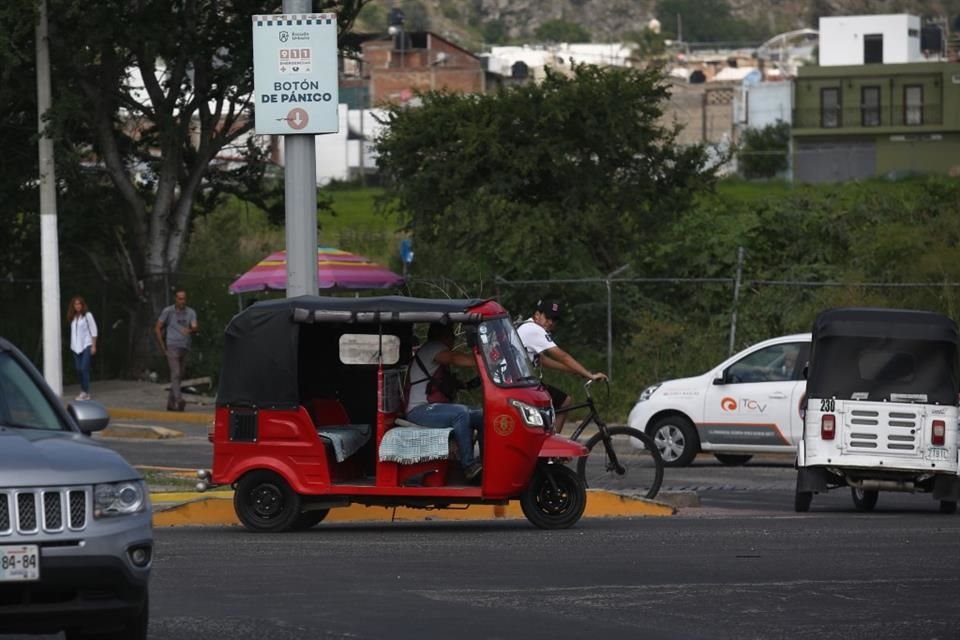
(535, 334)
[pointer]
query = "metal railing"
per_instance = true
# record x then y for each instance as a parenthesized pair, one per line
(866, 117)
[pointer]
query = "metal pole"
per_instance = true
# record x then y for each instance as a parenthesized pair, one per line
(736, 299)
(610, 318)
(300, 192)
(609, 330)
(49, 241)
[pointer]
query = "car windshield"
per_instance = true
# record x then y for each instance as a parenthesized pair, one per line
(503, 353)
(22, 403)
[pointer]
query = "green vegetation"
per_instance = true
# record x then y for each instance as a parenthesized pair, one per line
(706, 21)
(763, 152)
(562, 31)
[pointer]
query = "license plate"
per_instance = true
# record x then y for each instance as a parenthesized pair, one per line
(936, 453)
(19, 562)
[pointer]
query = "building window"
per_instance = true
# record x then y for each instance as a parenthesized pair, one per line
(913, 105)
(873, 48)
(870, 106)
(830, 107)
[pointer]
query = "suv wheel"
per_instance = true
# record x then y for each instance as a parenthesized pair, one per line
(676, 439)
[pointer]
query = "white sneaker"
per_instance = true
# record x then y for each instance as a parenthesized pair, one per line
(80, 396)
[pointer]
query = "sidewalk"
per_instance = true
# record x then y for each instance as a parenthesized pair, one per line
(142, 400)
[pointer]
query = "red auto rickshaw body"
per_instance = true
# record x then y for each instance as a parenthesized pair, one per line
(311, 388)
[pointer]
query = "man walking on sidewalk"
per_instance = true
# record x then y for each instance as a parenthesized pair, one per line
(174, 329)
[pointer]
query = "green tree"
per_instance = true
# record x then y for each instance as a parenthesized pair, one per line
(705, 21)
(570, 176)
(763, 152)
(562, 31)
(152, 92)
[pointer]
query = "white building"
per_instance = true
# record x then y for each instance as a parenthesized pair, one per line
(880, 39)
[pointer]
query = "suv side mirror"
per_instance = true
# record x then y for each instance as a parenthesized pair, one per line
(723, 378)
(90, 416)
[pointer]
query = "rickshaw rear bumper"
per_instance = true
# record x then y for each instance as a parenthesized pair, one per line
(561, 447)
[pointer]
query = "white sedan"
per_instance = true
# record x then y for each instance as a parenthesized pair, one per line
(749, 403)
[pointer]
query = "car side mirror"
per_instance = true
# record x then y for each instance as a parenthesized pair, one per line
(90, 416)
(723, 378)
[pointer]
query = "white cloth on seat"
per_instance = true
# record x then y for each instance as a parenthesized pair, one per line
(409, 443)
(346, 438)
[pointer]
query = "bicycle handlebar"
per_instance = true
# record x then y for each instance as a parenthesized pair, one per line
(588, 383)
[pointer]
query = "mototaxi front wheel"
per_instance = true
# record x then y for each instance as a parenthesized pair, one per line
(555, 498)
(864, 499)
(265, 503)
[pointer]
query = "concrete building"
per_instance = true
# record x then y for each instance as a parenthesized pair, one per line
(399, 66)
(883, 39)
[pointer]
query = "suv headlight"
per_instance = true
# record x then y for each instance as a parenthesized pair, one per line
(119, 498)
(647, 393)
(531, 415)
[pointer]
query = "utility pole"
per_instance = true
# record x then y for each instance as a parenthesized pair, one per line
(49, 241)
(300, 195)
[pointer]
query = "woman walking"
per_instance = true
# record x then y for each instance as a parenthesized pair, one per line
(83, 341)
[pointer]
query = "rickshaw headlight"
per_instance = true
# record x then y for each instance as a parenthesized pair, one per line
(531, 415)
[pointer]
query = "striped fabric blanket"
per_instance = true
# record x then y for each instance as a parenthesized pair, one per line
(409, 443)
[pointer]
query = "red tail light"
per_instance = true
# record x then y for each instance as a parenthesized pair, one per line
(828, 426)
(938, 435)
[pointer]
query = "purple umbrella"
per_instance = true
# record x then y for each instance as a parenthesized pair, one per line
(336, 269)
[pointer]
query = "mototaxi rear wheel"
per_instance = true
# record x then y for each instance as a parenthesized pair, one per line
(265, 503)
(555, 498)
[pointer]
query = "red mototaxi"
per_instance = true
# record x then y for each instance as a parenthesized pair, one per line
(309, 415)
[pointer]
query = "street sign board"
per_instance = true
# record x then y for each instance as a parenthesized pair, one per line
(295, 73)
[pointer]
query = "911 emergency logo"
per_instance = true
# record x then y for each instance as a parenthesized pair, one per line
(503, 425)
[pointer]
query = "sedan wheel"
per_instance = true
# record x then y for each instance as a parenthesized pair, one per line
(676, 439)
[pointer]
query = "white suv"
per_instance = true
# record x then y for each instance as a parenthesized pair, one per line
(750, 403)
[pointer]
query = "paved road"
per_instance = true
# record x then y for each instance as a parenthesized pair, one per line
(821, 576)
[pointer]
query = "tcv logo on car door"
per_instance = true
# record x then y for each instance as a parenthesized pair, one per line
(753, 401)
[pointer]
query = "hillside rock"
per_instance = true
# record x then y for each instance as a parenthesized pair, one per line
(609, 20)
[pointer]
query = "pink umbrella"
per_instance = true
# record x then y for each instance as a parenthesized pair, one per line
(336, 269)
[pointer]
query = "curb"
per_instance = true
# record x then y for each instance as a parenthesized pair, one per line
(138, 431)
(217, 509)
(162, 416)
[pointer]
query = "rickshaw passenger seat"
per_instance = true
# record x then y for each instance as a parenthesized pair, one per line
(327, 412)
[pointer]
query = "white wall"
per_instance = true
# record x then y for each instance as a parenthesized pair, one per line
(841, 38)
(763, 104)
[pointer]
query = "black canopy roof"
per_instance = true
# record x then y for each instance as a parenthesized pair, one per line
(883, 354)
(261, 343)
(884, 323)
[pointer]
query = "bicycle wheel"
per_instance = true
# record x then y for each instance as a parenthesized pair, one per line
(628, 462)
